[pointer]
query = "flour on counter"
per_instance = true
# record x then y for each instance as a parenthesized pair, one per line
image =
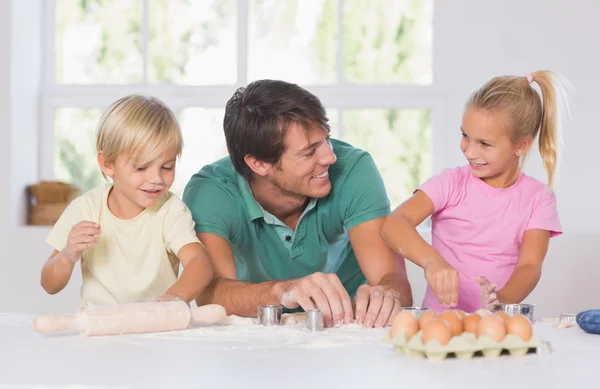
(239, 333)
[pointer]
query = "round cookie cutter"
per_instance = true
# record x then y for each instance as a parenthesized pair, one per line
(270, 315)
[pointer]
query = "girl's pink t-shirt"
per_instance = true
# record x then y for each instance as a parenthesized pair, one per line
(478, 229)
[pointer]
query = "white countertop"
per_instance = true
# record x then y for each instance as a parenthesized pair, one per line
(251, 356)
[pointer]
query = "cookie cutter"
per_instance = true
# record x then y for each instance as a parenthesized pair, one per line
(270, 315)
(526, 310)
(314, 320)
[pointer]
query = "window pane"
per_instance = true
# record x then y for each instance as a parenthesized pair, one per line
(293, 40)
(388, 41)
(400, 143)
(334, 123)
(192, 42)
(98, 41)
(204, 142)
(75, 147)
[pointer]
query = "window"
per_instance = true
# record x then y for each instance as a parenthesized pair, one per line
(369, 61)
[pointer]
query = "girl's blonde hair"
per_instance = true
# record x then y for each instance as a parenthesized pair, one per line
(143, 127)
(529, 114)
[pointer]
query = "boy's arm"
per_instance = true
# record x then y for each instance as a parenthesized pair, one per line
(56, 272)
(196, 275)
(528, 270)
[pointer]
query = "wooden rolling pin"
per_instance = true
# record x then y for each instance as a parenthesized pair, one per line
(134, 318)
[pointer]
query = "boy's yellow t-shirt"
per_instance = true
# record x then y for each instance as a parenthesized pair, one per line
(135, 260)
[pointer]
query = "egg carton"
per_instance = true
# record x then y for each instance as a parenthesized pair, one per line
(465, 346)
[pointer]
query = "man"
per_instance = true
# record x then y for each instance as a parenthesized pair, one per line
(292, 217)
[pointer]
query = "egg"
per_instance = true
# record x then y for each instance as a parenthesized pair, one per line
(521, 326)
(483, 312)
(471, 322)
(404, 321)
(426, 317)
(454, 322)
(438, 330)
(493, 326)
(503, 316)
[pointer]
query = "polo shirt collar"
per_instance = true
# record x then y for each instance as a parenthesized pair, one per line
(255, 211)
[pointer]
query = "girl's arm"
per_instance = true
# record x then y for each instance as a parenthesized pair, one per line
(197, 273)
(528, 270)
(400, 233)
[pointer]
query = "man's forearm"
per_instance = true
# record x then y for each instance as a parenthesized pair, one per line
(400, 285)
(241, 298)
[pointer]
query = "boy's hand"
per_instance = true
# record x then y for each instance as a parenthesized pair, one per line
(443, 280)
(167, 298)
(82, 236)
(487, 292)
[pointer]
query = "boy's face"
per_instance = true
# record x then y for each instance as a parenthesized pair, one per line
(138, 187)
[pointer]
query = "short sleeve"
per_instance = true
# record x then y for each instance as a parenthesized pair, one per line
(178, 227)
(441, 189)
(211, 206)
(363, 196)
(77, 211)
(545, 215)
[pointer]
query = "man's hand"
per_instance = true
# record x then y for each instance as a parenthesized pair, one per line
(376, 306)
(443, 280)
(487, 292)
(320, 291)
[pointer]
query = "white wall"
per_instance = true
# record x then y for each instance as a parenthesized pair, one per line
(474, 40)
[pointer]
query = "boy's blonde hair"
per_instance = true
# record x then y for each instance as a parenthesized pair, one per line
(529, 112)
(141, 126)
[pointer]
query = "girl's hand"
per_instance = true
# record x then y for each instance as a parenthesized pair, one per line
(443, 280)
(487, 292)
(83, 235)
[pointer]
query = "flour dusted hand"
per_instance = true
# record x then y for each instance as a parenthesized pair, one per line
(376, 306)
(83, 235)
(487, 292)
(443, 280)
(320, 291)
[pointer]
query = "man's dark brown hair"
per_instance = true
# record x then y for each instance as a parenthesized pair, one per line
(258, 116)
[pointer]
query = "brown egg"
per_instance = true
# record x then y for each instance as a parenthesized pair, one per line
(471, 322)
(438, 330)
(454, 322)
(520, 326)
(503, 316)
(404, 321)
(493, 326)
(426, 317)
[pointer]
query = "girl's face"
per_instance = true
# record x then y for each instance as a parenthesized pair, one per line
(486, 144)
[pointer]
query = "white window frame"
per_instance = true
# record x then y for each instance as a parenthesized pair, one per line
(339, 96)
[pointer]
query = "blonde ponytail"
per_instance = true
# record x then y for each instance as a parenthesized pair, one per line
(555, 105)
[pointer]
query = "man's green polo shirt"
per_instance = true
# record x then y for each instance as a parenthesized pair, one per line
(265, 248)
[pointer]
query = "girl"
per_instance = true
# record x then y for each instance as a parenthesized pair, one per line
(131, 234)
(491, 223)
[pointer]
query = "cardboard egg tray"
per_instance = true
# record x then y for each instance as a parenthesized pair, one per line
(465, 346)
